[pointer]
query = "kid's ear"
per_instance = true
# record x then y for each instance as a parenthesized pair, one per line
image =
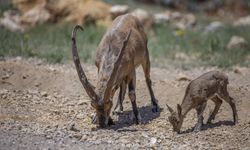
(179, 109)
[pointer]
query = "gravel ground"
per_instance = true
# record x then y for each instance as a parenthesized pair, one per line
(44, 106)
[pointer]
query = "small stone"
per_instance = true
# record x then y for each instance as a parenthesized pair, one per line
(72, 127)
(182, 77)
(44, 94)
(93, 129)
(80, 116)
(48, 137)
(4, 96)
(153, 140)
(82, 102)
(78, 136)
(24, 76)
(5, 77)
(37, 84)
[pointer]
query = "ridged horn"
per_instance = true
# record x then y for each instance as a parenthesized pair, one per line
(170, 109)
(87, 86)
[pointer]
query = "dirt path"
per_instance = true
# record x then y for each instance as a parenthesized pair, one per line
(45, 106)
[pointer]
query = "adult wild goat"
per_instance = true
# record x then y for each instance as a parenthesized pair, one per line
(116, 60)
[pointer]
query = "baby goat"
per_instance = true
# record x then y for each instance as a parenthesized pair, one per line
(211, 85)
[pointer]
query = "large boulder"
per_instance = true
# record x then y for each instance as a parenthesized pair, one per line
(25, 5)
(77, 11)
(11, 20)
(243, 21)
(36, 15)
(212, 27)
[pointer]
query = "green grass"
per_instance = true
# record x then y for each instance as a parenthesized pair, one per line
(50, 41)
(53, 42)
(202, 49)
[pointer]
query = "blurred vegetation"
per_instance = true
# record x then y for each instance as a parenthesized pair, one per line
(185, 48)
(53, 42)
(50, 41)
(201, 49)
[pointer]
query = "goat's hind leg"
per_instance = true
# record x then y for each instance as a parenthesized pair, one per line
(146, 69)
(217, 103)
(231, 102)
(119, 105)
(200, 110)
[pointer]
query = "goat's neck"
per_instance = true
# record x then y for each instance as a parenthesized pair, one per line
(186, 106)
(104, 89)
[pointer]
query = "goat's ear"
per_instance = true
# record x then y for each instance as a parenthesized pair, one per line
(179, 109)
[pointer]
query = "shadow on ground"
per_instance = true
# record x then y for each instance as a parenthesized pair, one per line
(125, 119)
(212, 125)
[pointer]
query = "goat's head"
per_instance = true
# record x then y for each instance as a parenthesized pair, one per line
(175, 119)
(101, 103)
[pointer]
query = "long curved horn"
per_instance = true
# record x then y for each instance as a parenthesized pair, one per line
(170, 109)
(87, 86)
(116, 65)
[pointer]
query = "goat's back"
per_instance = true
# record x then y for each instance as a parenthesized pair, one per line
(136, 50)
(207, 84)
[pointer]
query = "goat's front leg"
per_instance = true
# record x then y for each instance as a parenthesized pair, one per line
(200, 110)
(132, 96)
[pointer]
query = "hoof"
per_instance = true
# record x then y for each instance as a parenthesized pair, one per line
(137, 119)
(197, 128)
(155, 108)
(111, 122)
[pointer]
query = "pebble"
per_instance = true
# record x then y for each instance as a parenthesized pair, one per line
(153, 140)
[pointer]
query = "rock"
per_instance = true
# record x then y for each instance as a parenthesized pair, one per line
(39, 11)
(176, 16)
(152, 142)
(44, 94)
(236, 42)
(160, 18)
(4, 96)
(145, 18)
(190, 20)
(77, 136)
(118, 10)
(243, 21)
(36, 15)
(72, 127)
(182, 77)
(212, 27)
(83, 102)
(11, 21)
(182, 56)
(25, 5)
(239, 70)
(80, 116)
